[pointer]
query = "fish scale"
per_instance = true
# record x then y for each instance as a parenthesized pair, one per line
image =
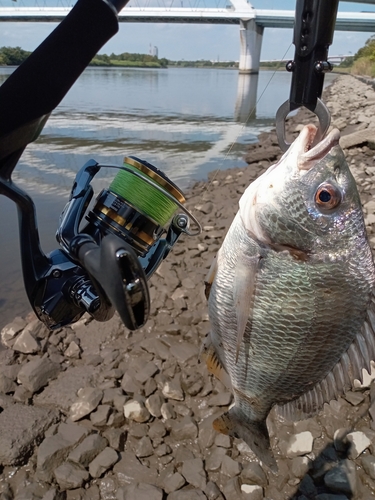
(291, 305)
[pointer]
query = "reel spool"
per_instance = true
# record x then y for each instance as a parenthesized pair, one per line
(138, 205)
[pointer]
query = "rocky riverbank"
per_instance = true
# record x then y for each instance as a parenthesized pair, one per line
(94, 412)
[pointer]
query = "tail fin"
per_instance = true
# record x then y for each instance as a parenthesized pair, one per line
(255, 434)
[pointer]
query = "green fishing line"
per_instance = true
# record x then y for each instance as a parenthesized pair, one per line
(141, 195)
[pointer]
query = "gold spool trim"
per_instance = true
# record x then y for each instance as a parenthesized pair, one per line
(124, 223)
(157, 178)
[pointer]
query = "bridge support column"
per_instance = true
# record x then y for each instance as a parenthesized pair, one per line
(251, 36)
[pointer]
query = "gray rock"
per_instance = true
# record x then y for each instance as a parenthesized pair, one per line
(26, 343)
(6, 384)
(54, 494)
(167, 411)
(359, 442)
(300, 466)
(192, 383)
(187, 494)
(22, 395)
(70, 476)
(212, 491)
(342, 478)
(37, 373)
(88, 400)
(157, 430)
(194, 473)
(51, 454)
(136, 410)
(116, 438)
(72, 432)
(354, 398)
(62, 392)
(232, 489)
(357, 138)
(142, 491)
(107, 488)
(184, 351)
(184, 429)
(86, 451)
(252, 492)
(100, 417)
(221, 399)
(103, 462)
(368, 464)
(110, 394)
(230, 467)
(129, 470)
(21, 428)
(173, 482)
(223, 440)
(307, 487)
(144, 447)
(10, 331)
(254, 474)
(147, 372)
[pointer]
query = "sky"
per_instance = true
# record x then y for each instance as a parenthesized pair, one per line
(185, 41)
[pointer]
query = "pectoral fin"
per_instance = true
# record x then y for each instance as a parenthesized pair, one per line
(214, 366)
(244, 294)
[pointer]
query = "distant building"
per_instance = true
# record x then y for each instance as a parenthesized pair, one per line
(153, 50)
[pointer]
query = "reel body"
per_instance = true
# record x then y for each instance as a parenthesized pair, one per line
(107, 253)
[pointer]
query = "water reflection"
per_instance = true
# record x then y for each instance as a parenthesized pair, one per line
(246, 97)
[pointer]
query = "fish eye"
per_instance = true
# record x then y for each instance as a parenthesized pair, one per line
(327, 196)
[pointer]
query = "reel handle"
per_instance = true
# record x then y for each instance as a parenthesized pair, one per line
(115, 270)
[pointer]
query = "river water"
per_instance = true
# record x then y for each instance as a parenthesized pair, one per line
(186, 121)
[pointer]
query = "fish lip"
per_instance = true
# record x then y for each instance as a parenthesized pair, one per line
(311, 155)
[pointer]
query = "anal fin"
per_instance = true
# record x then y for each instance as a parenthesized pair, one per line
(255, 434)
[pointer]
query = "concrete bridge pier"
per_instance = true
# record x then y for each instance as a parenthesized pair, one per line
(251, 36)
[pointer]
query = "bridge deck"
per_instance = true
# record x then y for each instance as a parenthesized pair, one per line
(346, 21)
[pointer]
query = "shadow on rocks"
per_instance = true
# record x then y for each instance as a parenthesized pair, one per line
(331, 476)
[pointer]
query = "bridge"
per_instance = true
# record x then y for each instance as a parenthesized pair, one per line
(251, 21)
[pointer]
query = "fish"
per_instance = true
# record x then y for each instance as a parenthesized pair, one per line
(291, 293)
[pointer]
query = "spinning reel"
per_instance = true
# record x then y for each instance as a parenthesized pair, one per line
(105, 264)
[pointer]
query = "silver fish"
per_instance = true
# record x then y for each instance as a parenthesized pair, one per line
(291, 307)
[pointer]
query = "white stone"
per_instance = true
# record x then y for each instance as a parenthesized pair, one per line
(172, 390)
(26, 343)
(89, 398)
(358, 443)
(299, 444)
(367, 378)
(73, 350)
(252, 491)
(134, 410)
(11, 330)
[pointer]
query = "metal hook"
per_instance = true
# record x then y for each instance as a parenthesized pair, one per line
(321, 111)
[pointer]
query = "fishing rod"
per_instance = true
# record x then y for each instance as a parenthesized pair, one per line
(313, 34)
(109, 249)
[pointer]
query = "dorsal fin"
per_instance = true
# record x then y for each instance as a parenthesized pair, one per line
(341, 378)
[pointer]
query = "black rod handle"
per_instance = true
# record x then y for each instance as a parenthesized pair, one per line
(313, 34)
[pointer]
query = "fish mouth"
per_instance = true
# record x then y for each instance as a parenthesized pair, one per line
(309, 155)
